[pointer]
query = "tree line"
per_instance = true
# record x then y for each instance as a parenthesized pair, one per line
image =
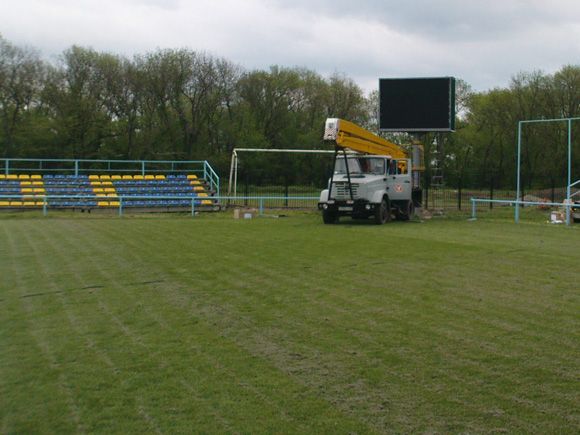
(179, 104)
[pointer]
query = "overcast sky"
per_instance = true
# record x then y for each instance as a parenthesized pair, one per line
(483, 42)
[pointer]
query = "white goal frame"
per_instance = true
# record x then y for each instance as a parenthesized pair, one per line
(233, 180)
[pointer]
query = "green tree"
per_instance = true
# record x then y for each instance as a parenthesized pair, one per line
(21, 79)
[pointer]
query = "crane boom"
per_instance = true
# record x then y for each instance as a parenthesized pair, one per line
(345, 134)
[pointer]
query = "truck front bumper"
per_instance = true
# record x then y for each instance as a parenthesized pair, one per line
(348, 207)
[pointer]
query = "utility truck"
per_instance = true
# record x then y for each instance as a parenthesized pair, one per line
(372, 177)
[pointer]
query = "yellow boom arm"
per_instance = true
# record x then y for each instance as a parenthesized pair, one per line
(345, 134)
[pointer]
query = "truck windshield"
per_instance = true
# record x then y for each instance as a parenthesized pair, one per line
(360, 165)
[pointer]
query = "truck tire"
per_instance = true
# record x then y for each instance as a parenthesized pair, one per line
(383, 212)
(405, 213)
(329, 217)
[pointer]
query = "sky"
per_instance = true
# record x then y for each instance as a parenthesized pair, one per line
(484, 42)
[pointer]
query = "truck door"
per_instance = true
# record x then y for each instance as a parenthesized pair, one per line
(399, 179)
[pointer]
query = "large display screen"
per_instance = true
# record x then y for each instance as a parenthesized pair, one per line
(417, 104)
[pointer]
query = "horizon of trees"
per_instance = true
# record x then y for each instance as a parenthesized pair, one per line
(179, 104)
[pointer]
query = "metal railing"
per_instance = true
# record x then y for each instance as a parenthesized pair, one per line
(517, 203)
(258, 202)
(91, 166)
(211, 177)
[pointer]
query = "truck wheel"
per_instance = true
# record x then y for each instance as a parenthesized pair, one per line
(329, 217)
(383, 212)
(409, 210)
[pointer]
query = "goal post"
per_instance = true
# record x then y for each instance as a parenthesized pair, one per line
(234, 163)
(569, 183)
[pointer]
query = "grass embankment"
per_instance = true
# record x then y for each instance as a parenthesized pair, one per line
(286, 325)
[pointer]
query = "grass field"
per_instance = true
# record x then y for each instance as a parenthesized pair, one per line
(211, 325)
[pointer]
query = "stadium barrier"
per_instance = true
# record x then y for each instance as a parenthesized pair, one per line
(194, 203)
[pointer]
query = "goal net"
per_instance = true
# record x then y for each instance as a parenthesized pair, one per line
(280, 177)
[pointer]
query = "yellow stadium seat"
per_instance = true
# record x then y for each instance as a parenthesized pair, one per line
(106, 183)
(37, 183)
(24, 177)
(29, 203)
(39, 202)
(202, 195)
(2, 176)
(93, 177)
(198, 189)
(26, 183)
(4, 203)
(116, 177)
(15, 203)
(12, 177)
(127, 177)
(192, 177)
(95, 183)
(160, 177)
(114, 203)
(26, 190)
(36, 177)
(103, 203)
(38, 190)
(138, 177)
(195, 183)
(105, 177)
(98, 190)
(114, 195)
(150, 177)
(109, 189)
(206, 202)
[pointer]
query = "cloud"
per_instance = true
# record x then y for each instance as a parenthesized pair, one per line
(482, 42)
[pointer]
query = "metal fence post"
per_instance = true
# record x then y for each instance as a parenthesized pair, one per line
(261, 206)
(569, 172)
(44, 207)
(517, 209)
(473, 209)
(192, 207)
(120, 206)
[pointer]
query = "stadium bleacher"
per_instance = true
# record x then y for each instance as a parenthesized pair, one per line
(103, 191)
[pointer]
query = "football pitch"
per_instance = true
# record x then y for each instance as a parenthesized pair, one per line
(215, 325)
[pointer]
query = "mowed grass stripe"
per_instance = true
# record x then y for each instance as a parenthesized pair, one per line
(274, 395)
(77, 349)
(224, 315)
(431, 350)
(125, 329)
(113, 320)
(51, 404)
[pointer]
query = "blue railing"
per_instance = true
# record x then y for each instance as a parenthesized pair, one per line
(568, 206)
(88, 166)
(211, 177)
(259, 202)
